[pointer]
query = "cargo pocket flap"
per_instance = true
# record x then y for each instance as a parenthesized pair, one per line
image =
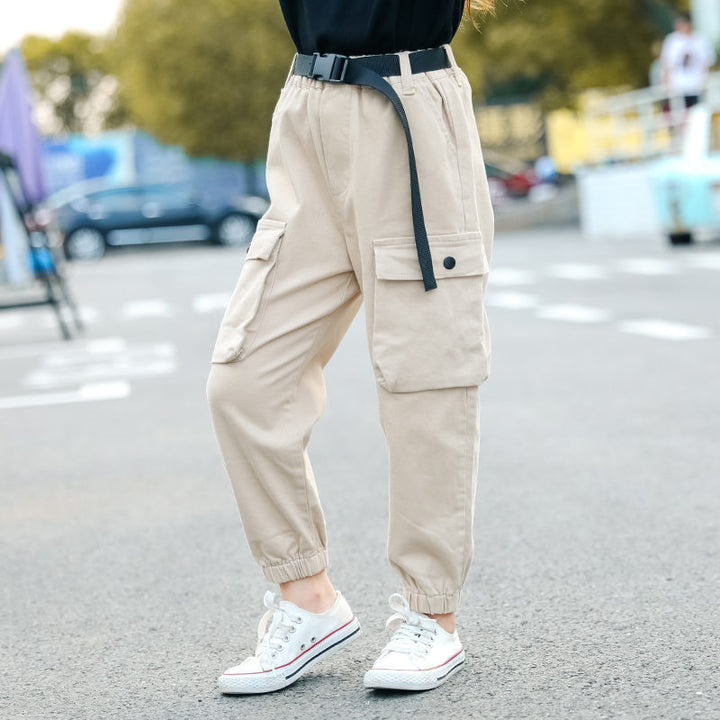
(266, 237)
(453, 256)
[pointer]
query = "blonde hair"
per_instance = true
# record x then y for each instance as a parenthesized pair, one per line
(471, 5)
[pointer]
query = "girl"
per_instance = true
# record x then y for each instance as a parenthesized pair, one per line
(378, 194)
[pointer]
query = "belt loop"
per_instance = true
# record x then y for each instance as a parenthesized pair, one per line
(406, 75)
(453, 64)
(290, 71)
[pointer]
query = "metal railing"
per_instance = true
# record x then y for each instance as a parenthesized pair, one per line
(641, 124)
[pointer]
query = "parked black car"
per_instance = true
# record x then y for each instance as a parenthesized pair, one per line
(92, 216)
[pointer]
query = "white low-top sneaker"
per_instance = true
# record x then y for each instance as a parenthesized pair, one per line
(420, 654)
(290, 641)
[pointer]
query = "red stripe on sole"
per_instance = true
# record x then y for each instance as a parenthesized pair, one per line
(300, 655)
(420, 670)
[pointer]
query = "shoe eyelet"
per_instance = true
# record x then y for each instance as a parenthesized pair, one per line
(292, 629)
(302, 647)
(286, 638)
(312, 639)
(299, 620)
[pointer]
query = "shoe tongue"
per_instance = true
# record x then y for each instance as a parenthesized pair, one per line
(289, 607)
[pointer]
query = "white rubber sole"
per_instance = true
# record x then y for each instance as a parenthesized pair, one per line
(379, 679)
(272, 680)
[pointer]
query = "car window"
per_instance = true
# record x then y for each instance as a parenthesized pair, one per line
(117, 200)
(167, 197)
(715, 133)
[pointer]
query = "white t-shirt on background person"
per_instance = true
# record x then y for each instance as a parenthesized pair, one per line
(687, 59)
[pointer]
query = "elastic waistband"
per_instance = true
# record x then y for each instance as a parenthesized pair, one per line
(332, 67)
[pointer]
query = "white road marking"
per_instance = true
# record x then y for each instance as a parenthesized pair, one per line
(156, 307)
(101, 345)
(573, 313)
(578, 271)
(210, 303)
(704, 261)
(106, 345)
(511, 300)
(510, 276)
(81, 355)
(664, 330)
(88, 315)
(647, 266)
(86, 393)
(11, 320)
(54, 378)
(68, 368)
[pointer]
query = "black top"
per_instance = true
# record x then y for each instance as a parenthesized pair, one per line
(367, 27)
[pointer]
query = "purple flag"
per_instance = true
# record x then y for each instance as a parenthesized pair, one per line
(19, 137)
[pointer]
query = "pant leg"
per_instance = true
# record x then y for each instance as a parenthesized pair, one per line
(430, 350)
(433, 447)
(295, 298)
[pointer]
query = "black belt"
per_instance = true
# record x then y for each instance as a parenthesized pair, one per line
(371, 71)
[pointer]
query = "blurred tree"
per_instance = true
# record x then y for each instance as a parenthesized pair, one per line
(554, 48)
(76, 91)
(204, 74)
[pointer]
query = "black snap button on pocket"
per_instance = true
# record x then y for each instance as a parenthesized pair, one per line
(449, 262)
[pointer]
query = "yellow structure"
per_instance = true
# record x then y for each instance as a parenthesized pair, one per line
(591, 134)
(607, 126)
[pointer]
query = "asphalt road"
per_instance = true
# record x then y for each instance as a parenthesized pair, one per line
(126, 583)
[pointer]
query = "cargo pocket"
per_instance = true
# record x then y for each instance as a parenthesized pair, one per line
(245, 309)
(430, 340)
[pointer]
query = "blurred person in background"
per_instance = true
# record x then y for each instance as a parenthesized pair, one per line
(378, 194)
(655, 73)
(686, 59)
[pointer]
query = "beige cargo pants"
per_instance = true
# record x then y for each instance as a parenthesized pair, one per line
(339, 232)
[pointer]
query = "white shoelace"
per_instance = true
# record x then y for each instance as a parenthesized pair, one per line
(413, 634)
(274, 630)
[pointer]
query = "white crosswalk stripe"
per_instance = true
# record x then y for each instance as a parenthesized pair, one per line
(11, 320)
(573, 313)
(510, 276)
(578, 271)
(647, 266)
(511, 300)
(85, 393)
(68, 367)
(664, 330)
(211, 303)
(99, 346)
(88, 315)
(704, 261)
(155, 307)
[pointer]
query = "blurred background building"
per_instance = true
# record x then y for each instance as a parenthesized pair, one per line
(181, 94)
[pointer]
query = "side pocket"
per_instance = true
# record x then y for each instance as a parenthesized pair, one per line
(245, 309)
(430, 340)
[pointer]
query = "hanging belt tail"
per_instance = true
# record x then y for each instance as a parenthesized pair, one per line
(369, 72)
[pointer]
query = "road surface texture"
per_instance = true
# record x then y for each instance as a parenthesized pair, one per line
(127, 586)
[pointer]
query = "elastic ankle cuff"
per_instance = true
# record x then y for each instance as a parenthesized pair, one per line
(296, 568)
(432, 604)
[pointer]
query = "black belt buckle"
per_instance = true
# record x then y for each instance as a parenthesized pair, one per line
(329, 67)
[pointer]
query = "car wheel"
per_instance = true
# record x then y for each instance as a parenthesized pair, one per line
(85, 244)
(236, 229)
(681, 238)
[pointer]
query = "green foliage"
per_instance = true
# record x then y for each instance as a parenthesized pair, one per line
(205, 74)
(72, 78)
(564, 47)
